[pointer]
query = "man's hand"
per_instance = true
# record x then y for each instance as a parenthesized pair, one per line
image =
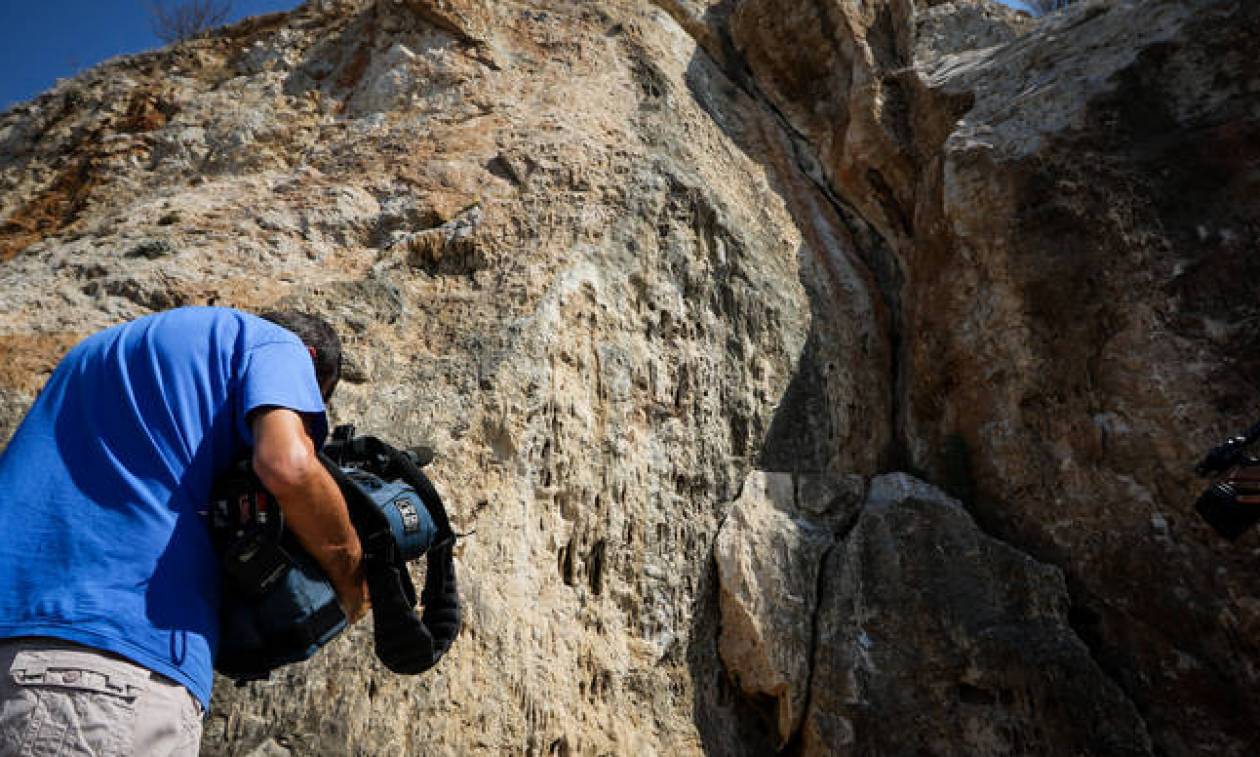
(315, 511)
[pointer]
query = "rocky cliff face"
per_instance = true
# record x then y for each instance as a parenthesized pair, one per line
(819, 376)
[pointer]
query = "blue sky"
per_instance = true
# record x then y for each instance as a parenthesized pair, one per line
(44, 40)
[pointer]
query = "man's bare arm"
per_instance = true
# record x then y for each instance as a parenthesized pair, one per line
(315, 511)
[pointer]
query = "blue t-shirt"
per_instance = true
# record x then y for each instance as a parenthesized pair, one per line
(101, 488)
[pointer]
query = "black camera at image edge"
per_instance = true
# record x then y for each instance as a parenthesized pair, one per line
(1219, 506)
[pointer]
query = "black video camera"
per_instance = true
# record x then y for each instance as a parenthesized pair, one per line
(1231, 505)
(278, 607)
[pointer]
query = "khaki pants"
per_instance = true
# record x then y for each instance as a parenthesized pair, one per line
(58, 698)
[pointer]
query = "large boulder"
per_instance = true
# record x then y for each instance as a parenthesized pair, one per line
(770, 553)
(936, 639)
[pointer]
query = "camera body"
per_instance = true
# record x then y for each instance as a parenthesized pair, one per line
(1231, 505)
(278, 606)
(1219, 506)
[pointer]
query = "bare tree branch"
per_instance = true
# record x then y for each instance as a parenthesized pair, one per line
(177, 22)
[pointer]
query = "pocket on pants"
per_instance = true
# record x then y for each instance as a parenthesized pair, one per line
(68, 702)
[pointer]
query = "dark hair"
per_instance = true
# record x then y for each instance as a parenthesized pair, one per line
(317, 333)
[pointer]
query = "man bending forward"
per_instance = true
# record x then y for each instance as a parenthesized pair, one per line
(109, 588)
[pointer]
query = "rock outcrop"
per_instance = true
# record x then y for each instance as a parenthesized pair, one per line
(770, 554)
(934, 638)
(704, 306)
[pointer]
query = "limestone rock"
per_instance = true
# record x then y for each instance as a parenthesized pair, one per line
(842, 75)
(950, 27)
(551, 264)
(935, 639)
(607, 259)
(769, 554)
(1061, 223)
(1099, 194)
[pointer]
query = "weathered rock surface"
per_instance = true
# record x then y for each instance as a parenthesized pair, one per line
(1097, 342)
(936, 639)
(769, 553)
(904, 629)
(949, 27)
(1066, 265)
(552, 265)
(610, 258)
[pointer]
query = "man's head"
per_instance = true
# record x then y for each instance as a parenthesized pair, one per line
(320, 339)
